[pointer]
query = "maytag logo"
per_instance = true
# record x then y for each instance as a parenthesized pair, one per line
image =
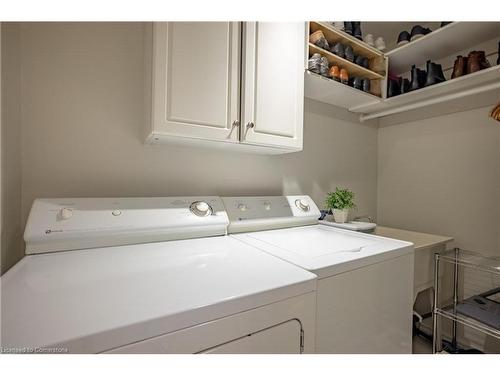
(49, 231)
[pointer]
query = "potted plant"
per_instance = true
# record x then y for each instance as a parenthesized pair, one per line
(340, 201)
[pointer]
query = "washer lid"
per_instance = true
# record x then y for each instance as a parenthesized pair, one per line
(79, 223)
(325, 250)
(98, 299)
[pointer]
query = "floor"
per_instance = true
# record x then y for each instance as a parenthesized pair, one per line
(421, 346)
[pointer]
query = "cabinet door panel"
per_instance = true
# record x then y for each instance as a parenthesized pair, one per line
(273, 79)
(196, 79)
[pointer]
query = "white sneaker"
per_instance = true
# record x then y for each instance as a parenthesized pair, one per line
(368, 39)
(380, 43)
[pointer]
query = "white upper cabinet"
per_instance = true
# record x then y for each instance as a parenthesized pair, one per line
(195, 80)
(207, 78)
(273, 84)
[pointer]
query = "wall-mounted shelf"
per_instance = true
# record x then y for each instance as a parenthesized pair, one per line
(441, 43)
(437, 45)
(352, 68)
(328, 91)
(482, 81)
(338, 36)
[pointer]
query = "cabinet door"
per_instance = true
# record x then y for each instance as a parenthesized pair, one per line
(273, 84)
(196, 67)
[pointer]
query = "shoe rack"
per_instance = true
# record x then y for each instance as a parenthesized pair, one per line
(327, 90)
(444, 43)
(441, 43)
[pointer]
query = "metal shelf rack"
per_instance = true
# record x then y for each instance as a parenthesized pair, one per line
(473, 275)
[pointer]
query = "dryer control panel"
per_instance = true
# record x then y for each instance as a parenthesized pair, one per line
(269, 212)
(79, 223)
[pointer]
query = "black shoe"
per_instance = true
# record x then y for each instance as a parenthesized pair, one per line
(314, 63)
(358, 60)
(348, 28)
(404, 85)
(332, 47)
(349, 53)
(357, 83)
(339, 50)
(417, 78)
(324, 66)
(357, 30)
(366, 85)
(403, 38)
(393, 88)
(418, 31)
(366, 62)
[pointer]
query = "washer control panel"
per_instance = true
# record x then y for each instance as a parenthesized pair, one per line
(269, 212)
(77, 223)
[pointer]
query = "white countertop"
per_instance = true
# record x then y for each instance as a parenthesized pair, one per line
(420, 240)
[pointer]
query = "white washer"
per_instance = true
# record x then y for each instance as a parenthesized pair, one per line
(365, 282)
(158, 292)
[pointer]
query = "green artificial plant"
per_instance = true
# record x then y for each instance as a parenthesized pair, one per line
(340, 199)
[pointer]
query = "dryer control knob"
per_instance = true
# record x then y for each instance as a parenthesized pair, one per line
(242, 207)
(200, 208)
(302, 204)
(65, 213)
(267, 206)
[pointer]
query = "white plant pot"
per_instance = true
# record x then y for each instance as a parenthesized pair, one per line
(340, 216)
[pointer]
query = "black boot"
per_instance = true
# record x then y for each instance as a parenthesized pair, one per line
(404, 85)
(434, 74)
(393, 88)
(417, 78)
(440, 73)
(498, 58)
(357, 30)
(348, 28)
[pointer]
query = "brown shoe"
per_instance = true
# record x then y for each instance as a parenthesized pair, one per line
(477, 61)
(485, 64)
(318, 38)
(334, 73)
(460, 67)
(473, 63)
(344, 77)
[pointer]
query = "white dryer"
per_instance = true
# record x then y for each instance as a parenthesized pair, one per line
(365, 282)
(150, 275)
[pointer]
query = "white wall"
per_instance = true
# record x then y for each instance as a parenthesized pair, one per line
(82, 111)
(442, 175)
(11, 241)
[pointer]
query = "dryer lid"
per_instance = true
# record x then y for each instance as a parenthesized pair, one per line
(79, 223)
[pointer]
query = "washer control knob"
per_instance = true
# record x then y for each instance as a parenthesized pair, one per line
(65, 213)
(116, 212)
(302, 204)
(267, 206)
(242, 207)
(201, 209)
